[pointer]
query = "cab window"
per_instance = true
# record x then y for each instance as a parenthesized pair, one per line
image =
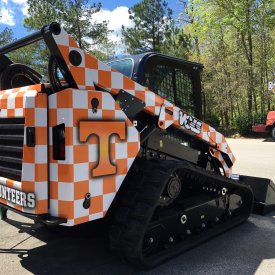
(124, 66)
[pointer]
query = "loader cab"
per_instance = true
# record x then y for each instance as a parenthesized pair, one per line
(177, 80)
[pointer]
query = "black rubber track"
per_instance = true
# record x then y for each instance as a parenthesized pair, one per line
(142, 189)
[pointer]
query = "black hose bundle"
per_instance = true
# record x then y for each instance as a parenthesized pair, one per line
(18, 75)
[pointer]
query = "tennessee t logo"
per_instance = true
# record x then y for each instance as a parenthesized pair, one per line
(103, 130)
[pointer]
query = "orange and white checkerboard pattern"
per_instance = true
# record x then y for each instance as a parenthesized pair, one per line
(71, 179)
(31, 103)
(91, 71)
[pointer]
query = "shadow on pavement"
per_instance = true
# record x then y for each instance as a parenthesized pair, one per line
(84, 249)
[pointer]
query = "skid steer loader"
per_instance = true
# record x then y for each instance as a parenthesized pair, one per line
(124, 139)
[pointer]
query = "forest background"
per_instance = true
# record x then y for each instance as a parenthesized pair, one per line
(233, 39)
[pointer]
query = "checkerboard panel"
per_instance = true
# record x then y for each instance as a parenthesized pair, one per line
(29, 102)
(91, 71)
(71, 179)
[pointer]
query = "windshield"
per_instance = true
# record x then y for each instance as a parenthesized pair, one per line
(124, 66)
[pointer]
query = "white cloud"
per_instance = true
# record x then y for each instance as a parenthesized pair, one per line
(4, 2)
(7, 17)
(117, 17)
(25, 10)
(19, 2)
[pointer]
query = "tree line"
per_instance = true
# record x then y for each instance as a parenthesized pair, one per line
(233, 39)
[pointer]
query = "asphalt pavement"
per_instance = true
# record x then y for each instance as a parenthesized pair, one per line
(28, 248)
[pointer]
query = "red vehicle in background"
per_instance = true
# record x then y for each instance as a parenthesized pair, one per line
(268, 127)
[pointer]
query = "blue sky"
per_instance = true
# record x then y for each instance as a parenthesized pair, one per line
(13, 12)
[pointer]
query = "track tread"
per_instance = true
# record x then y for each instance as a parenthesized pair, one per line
(139, 201)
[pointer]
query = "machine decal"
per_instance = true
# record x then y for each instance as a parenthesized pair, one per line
(190, 122)
(103, 130)
(18, 197)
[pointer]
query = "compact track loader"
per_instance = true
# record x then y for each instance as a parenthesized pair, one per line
(94, 142)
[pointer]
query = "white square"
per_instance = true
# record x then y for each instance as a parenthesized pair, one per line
(95, 216)
(62, 38)
(95, 116)
(96, 187)
(93, 152)
(65, 115)
(119, 115)
(53, 211)
(121, 150)
(52, 101)
(41, 190)
(117, 80)
(28, 172)
(150, 98)
(11, 102)
(18, 112)
(3, 113)
(82, 64)
(91, 76)
(80, 99)
(103, 67)
(76, 137)
(81, 171)
(107, 200)
(28, 101)
(119, 180)
(108, 102)
(41, 117)
(65, 191)
(53, 172)
(41, 154)
(79, 210)
(132, 134)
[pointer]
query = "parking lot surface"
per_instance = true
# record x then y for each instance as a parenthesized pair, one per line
(27, 248)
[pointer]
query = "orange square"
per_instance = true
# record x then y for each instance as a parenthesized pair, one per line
(41, 136)
(51, 155)
(41, 207)
(66, 209)
(78, 74)
(112, 151)
(104, 78)
(91, 62)
(132, 148)
(64, 99)
(65, 172)
(109, 184)
(69, 132)
(108, 114)
(41, 101)
(52, 117)
(10, 112)
(53, 190)
(122, 166)
(19, 102)
(72, 43)
(81, 188)
(81, 153)
(78, 115)
(9, 183)
(65, 52)
(128, 84)
(30, 116)
(92, 95)
(28, 154)
(96, 205)
(41, 172)
(28, 186)
(81, 220)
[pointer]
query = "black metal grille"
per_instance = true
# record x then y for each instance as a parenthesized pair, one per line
(175, 84)
(11, 147)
